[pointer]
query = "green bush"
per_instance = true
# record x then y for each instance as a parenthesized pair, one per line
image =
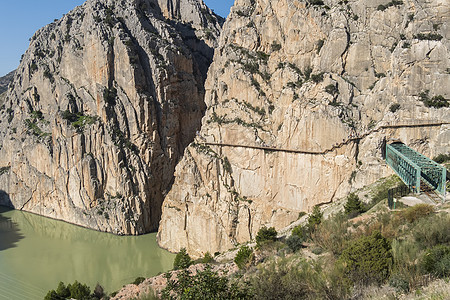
(72, 291)
(436, 261)
(207, 258)
(394, 107)
(301, 232)
(433, 230)
(243, 257)
(416, 212)
(281, 280)
(441, 158)
(288, 279)
(315, 218)
(109, 95)
(406, 273)
(315, 2)
(332, 234)
(317, 77)
(331, 89)
(206, 284)
(182, 260)
(266, 235)
(294, 242)
(138, 280)
(368, 259)
(353, 206)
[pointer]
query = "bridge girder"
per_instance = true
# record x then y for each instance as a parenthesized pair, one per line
(413, 167)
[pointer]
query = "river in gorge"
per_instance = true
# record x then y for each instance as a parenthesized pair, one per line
(36, 253)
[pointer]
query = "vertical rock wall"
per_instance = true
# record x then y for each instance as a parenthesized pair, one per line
(101, 108)
(289, 75)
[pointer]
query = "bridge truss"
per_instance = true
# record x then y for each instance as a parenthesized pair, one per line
(415, 169)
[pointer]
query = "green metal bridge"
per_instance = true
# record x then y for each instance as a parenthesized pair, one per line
(417, 171)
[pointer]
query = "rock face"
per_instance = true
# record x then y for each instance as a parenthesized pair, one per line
(5, 81)
(101, 108)
(293, 83)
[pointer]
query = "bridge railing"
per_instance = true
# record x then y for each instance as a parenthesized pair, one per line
(407, 170)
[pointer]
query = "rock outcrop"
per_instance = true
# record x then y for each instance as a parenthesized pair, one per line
(5, 81)
(296, 99)
(101, 108)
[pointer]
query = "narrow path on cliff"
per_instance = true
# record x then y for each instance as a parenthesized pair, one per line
(337, 146)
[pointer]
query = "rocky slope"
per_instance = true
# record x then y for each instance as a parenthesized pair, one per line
(101, 108)
(293, 83)
(5, 80)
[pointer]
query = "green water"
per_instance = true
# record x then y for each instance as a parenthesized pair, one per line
(36, 253)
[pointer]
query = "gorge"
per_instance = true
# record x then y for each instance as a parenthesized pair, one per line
(99, 125)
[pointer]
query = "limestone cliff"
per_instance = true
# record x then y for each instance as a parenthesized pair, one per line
(101, 108)
(300, 98)
(5, 81)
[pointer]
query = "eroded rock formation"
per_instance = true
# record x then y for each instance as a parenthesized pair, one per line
(101, 108)
(321, 79)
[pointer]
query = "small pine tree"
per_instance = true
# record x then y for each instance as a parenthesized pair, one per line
(266, 235)
(182, 260)
(243, 257)
(207, 258)
(353, 205)
(315, 218)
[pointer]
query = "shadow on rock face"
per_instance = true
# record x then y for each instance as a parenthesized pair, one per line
(9, 231)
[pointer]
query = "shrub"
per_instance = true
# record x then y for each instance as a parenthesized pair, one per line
(243, 257)
(353, 206)
(287, 279)
(315, 218)
(99, 292)
(315, 2)
(281, 280)
(4, 170)
(406, 273)
(301, 232)
(266, 235)
(207, 258)
(317, 77)
(62, 290)
(368, 259)
(436, 102)
(73, 291)
(433, 230)
(394, 107)
(436, 261)
(331, 89)
(109, 95)
(182, 260)
(417, 211)
(294, 243)
(332, 234)
(206, 284)
(441, 158)
(138, 280)
(275, 46)
(319, 45)
(428, 37)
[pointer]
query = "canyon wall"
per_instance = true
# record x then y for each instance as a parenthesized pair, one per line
(297, 97)
(101, 108)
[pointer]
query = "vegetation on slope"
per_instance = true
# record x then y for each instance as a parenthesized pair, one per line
(351, 254)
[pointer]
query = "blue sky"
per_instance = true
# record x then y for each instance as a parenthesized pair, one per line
(19, 20)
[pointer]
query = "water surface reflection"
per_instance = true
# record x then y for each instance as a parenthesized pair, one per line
(50, 251)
